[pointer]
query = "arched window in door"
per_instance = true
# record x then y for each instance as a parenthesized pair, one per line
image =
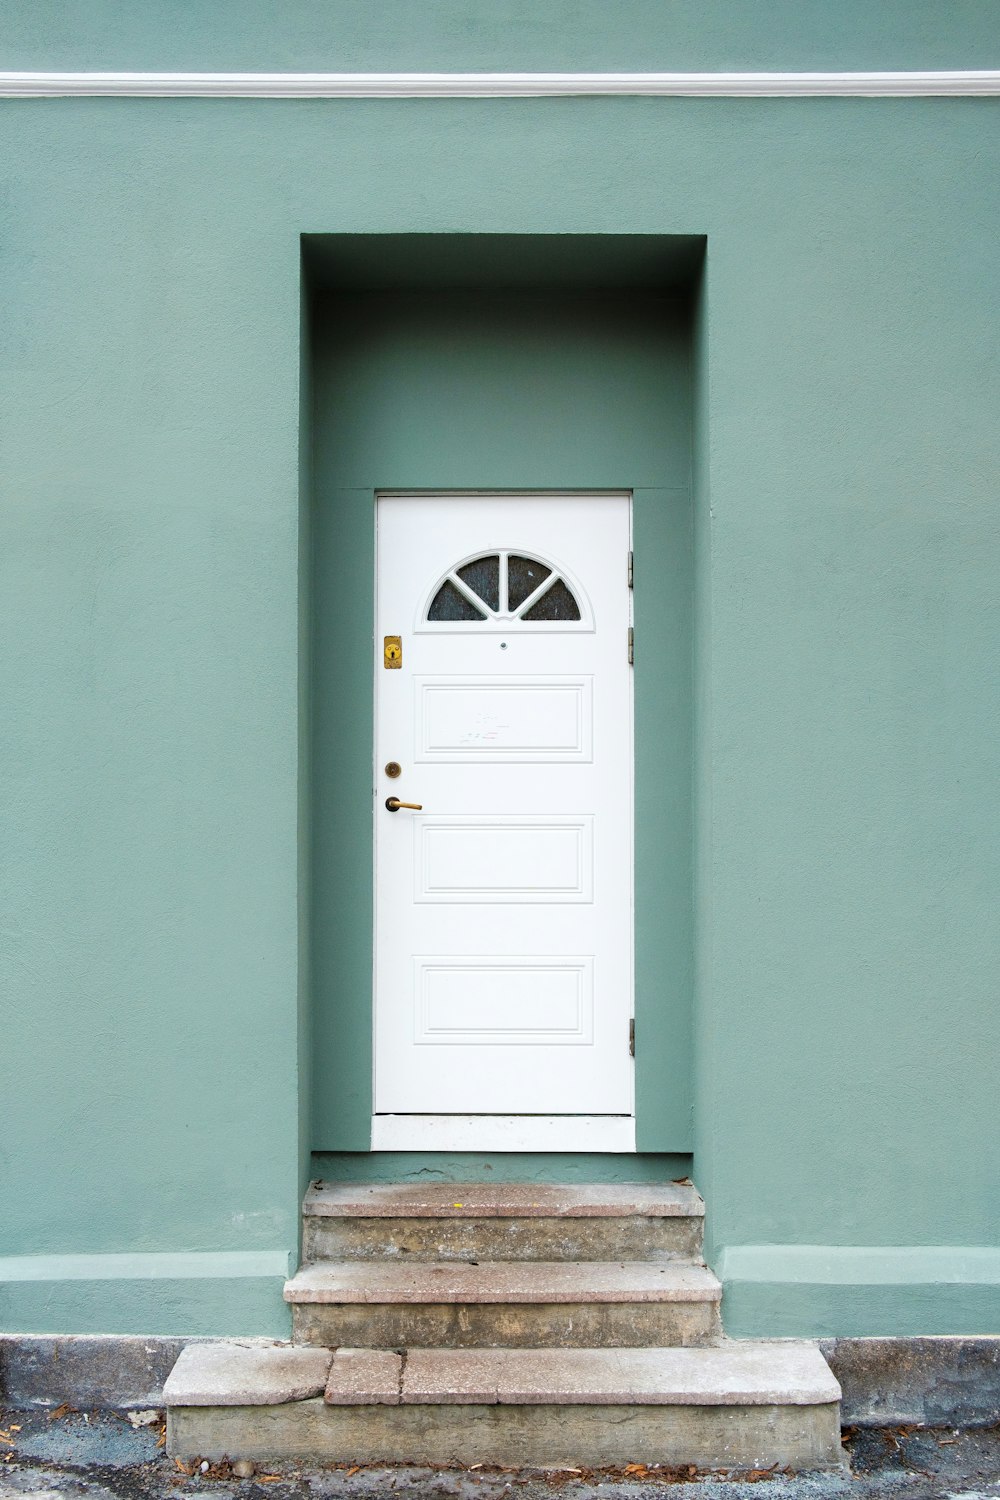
(504, 587)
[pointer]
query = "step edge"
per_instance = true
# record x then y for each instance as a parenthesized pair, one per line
(789, 1387)
(194, 1380)
(302, 1288)
(816, 1388)
(707, 1401)
(548, 1299)
(686, 1204)
(557, 1398)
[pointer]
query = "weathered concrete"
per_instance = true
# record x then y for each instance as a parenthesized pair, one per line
(363, 1376)
(503, 1221)
(806, 1437)
(562, 1325)
(518, 1200)
(954, 1382)
(503, 1282)
(951, 1381)
(636, 1237)
(374, 1304)
(732, 1374)
(937, 1381)
(246, 1374)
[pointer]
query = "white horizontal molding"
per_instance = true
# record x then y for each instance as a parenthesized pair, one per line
(503, 1133)
(917, 84)
(861, 1265)
(163, 1265)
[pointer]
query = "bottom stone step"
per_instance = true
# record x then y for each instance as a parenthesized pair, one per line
(738, 1405)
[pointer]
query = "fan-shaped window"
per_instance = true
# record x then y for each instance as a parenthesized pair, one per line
(449, 604)
(504, 586)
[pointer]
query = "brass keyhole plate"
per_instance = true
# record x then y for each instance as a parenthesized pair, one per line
(392, 651)
(393, 769)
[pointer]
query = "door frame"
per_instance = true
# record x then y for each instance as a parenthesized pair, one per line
(336, 812)
(515, 1132)
(339, 783)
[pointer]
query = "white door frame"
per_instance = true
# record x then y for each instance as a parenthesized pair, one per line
(523, 1132)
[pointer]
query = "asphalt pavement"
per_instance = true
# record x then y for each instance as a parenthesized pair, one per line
(72, 1455)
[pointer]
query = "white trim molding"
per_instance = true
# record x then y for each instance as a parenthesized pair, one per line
(503, 1133)
(917, 84)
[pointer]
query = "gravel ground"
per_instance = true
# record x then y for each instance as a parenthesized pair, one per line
(68, 1455)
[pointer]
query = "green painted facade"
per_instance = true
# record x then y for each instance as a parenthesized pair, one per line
(198, 396)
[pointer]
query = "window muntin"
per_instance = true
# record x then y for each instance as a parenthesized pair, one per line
(504, 587)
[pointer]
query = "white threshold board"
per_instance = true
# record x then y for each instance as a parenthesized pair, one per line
(503, 1133)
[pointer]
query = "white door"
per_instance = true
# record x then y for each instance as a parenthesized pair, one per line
(503, 964)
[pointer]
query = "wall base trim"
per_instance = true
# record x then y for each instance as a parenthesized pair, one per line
(866, 1265)
(166, 1293)
(848, 1291)
(171, 1265)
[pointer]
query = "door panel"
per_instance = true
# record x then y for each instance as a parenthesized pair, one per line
(523, 860)
(503, 906)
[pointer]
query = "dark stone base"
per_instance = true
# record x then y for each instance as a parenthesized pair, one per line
(939, 1382)
(935, 1382)
(90, 1371)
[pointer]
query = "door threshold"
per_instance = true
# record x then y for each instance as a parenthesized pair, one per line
(503, 1133)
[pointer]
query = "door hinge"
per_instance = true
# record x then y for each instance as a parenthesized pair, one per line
(630, 556)
(631, 1038)
(631, 646)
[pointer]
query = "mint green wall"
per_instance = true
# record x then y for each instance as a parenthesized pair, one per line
(452, 35)
(501, 390)
(848, 715)
(509, 1166)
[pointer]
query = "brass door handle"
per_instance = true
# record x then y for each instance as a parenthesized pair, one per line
(394, 804)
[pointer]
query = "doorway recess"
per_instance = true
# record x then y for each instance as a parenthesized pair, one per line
(503, 364)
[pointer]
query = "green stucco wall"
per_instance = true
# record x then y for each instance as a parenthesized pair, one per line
(453, 35)
(847, 550)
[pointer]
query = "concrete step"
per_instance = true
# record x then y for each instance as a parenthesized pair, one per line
(502, 1221)
(740, 1404)
(501, 1304)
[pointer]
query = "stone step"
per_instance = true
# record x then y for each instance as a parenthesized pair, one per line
(738, 1405)
(500, 1304)
(502, 1221)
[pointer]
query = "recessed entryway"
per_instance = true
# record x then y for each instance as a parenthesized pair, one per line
(506, 1022)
